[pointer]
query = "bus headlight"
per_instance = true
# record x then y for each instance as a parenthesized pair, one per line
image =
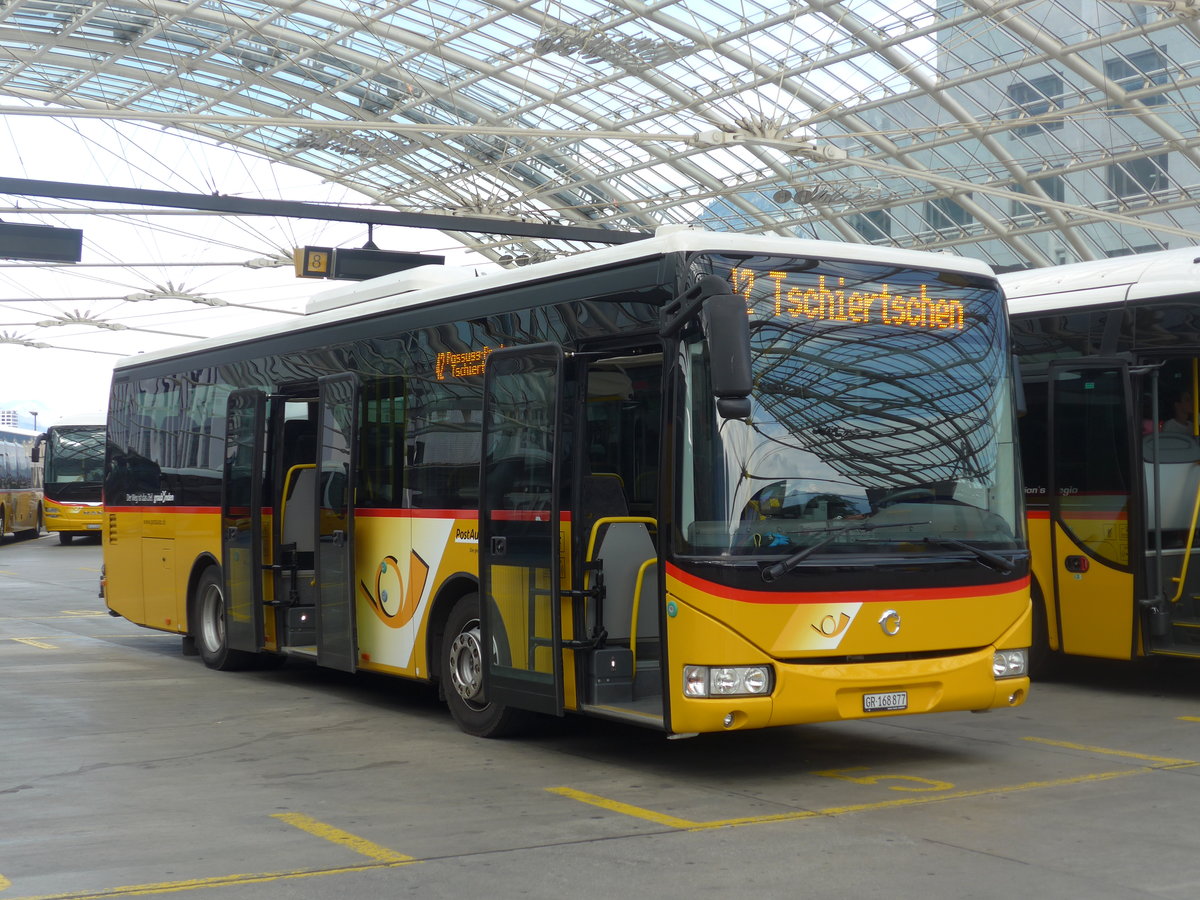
(1010, 663)
(727, 681)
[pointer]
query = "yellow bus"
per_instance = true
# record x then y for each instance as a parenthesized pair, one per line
(71, 452)
(1109, 352)
(700, 482)
(20, 484)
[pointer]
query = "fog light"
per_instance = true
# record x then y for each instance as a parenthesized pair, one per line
(1010, 663)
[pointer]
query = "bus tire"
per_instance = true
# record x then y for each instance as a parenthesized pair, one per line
(208, 621)
(1043, 660)
(65, 537)
(462, 676)
(3, 523)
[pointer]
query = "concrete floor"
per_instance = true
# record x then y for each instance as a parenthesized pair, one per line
(129, 769)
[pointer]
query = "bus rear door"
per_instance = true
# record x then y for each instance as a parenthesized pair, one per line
(1094, 510)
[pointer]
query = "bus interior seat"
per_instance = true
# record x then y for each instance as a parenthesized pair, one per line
(1179, 478)
(621, 550)
(299, 516)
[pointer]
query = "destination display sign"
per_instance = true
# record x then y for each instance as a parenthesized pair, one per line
(803, 295)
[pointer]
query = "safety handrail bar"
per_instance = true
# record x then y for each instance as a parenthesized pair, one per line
(603, 522)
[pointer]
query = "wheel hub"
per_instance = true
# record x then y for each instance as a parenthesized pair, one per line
(466, 664)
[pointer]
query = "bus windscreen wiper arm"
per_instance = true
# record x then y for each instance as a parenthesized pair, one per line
(995, 560)
(773, 571)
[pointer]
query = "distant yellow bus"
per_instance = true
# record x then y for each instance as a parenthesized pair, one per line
(71, 452)
(20, 484)
(701, 482)
(1109, 352)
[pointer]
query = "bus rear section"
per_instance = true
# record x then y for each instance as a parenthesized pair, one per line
(700, 483)
(72, 455)
(21, 511)
(1110, 355)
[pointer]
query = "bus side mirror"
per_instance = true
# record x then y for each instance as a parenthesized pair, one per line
(35, 454)
(727, 328)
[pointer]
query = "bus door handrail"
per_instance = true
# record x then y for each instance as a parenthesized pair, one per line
(603, 522)
(1187, 550)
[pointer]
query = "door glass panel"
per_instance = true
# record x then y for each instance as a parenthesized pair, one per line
(241, 519)
(335, 522)
(1090, 459)
(520, 523)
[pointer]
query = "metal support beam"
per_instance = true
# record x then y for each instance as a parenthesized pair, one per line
(289, 209)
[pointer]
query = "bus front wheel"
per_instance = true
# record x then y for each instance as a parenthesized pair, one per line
(462, 676)
(208, 625)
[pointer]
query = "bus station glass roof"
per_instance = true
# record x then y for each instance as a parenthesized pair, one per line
(1021, 132)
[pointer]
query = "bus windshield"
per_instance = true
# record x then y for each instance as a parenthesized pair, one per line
(881, 418)
(74, 465)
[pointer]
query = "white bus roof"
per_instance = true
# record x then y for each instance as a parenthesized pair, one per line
(1165, 273)
(420, 286)
(78, 419)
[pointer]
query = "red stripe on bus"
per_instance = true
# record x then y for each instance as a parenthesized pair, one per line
(194, 510)
(873, 595)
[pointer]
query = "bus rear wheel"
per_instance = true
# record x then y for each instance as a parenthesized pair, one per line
(462, 676)
(208, 625)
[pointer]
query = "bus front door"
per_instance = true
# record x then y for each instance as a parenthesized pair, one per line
(1095, 519)
(241, 519)
(520, 528)
(337, 428)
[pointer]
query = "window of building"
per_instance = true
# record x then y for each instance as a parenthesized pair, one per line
(874, 225)
(946, 214)
(1138, 71)
(1055, 187)
(1036, 97)
(1137, 177)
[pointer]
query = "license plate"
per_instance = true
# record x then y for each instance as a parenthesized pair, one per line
(892, 700)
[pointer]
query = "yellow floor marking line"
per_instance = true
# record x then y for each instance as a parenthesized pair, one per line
(34, 642)
(5, 884)
(198, 884)
(688, 825)
(342, 838)
(1164, 760)
(624, 808)
(1189, 718)
(384, 859)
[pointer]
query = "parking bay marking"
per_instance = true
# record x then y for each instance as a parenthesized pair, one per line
(35, 642)
(383, 858)
(1164, 761)
(659, 818)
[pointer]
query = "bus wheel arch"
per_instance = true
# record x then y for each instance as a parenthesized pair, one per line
(456, 657)
(206, 622)
(1042, 655)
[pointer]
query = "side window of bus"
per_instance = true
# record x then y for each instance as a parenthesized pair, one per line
(381, 442)
(1032, 428)
(442, 445)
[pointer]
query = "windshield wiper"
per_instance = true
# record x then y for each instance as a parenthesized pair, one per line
(773, 571)
(995, 560)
